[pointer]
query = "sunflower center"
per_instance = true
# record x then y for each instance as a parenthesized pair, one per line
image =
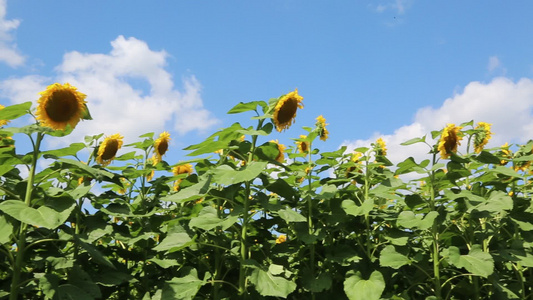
(304, 146)
(287, 111)
(162, 147)
(61, 106)
(110, 150)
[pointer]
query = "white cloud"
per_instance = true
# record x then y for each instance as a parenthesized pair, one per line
(495, 64)
(117, 103)
(397, 5)
(8, 50)
(506, 104)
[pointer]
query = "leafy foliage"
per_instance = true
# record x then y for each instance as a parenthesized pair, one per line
(245, 225)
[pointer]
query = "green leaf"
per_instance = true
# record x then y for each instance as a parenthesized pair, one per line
(94, 253)
(414, 141)
(353, 209)
(207, 219)
(316, 285)
(357, 288)
(182, 288)
(408, 219)
(4, 168)
(6, 229)
(190, 193)
(244, 107)
(390, 258)
(476, 261)
(15, 111)
(45, 216)
(93, 171)
(226, 175)
(498, 202)
(70, 150)
(164, 263)
(173, 240)
(269, 285)
(290, 215)
(505, 171)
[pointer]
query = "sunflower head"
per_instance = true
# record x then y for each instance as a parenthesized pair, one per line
(181, 169)
(3, 122)
(281, 148)
(61, 105)
(321, 127)
(125, 185)
(482, 137)
(108, 149)
(161, 147)
(449, 140)
(282, 238)
(285, 110)
(381, 147)
(303, 146)
(505, 153)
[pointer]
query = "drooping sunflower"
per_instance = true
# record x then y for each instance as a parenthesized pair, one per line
(482, 137)
(285, 110)
(3, 122)
(303, 146)
(321, 126)
(108, 149)
(181, 169)
(161, 147)
(281, 148)
(61, 105)
(381, 147)
(449, 140)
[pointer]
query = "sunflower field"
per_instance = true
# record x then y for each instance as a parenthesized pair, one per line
(249, 218)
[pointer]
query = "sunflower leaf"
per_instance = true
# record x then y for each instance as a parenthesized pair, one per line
(14, 111)
(244, 107)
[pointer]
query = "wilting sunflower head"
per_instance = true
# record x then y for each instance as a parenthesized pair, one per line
(61, 105)
(108, 149)
(285, 110)
(321, 126)
(303, 146)
(281, 148)
(381, 148)
(3, 122)
(449, 140)
(482, 137)
(161, 147)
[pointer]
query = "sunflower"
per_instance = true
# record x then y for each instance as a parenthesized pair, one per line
(282, 238)
(108, 149)
(381, 148)
(482, 137)
(281, 148)
(285, 110)
(505, 153)
(449, 140)
(161, 147)
(321, 126)
(61, 105)
(355, 159)
(303, 146)
(3, 122)
(181, 169)
(125, 185)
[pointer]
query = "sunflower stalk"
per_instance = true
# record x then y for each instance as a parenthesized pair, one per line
(21, 240)
(310, 212)
(435, 234)
(246, 217)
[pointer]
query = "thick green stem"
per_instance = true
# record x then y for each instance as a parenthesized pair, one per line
(246, 217)
(21, 241)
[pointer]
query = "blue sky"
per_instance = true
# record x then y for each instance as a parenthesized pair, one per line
(393, 69)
